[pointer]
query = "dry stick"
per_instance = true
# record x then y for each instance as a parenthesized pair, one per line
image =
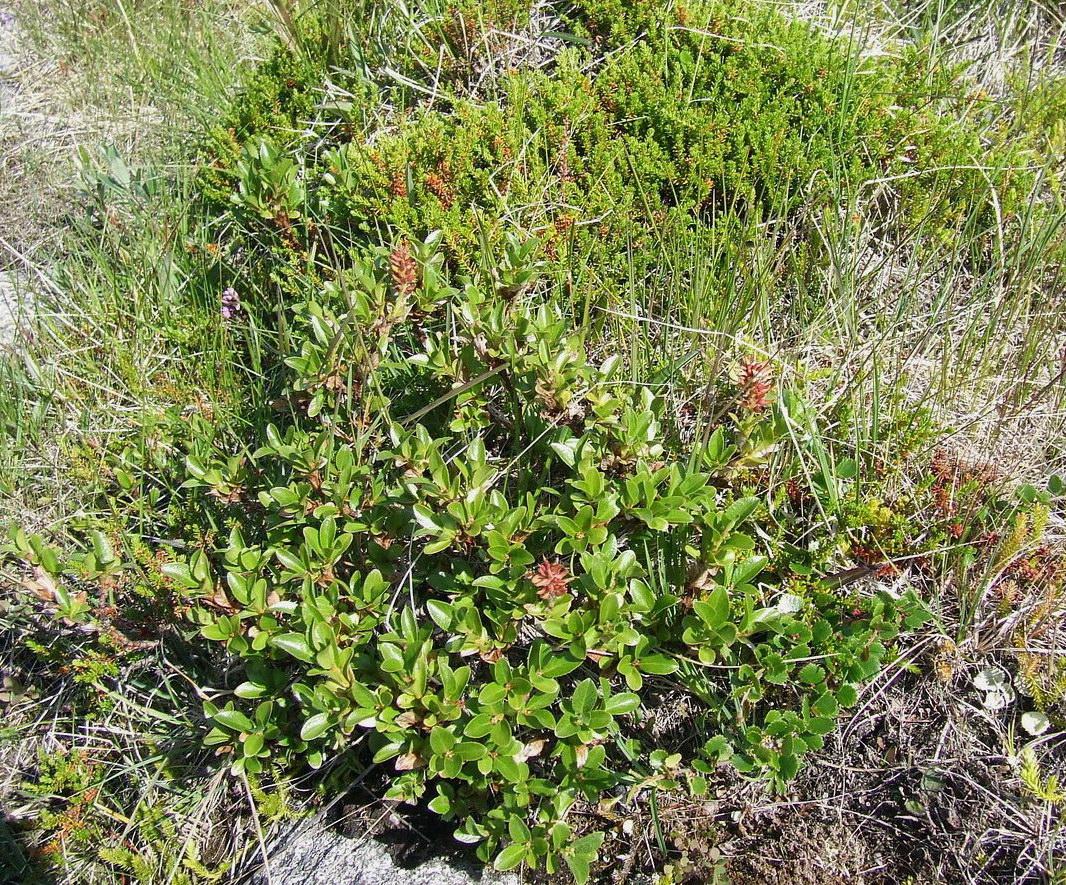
(1009, 811)
(287, 30)
(258, 827)
(886, 686)
(898, 767)
(451, 394)
(940, 743)
(1032, 401)
(726, 38)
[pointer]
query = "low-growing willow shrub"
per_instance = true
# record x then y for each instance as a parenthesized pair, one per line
(476, 557)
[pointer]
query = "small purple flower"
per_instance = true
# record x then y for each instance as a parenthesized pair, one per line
(231, 303)
(6, 18)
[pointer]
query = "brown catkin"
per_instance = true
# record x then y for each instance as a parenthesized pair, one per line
(404, 270)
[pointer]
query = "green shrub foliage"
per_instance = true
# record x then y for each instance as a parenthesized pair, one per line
(474, 558)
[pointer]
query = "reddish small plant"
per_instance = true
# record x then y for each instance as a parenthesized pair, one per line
(398, 184)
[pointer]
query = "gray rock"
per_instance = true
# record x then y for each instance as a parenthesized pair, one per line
(8, 39)
(13, 303)
(9, 66)
(311, 853)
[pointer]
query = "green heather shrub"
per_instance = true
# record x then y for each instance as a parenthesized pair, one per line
(658, 124)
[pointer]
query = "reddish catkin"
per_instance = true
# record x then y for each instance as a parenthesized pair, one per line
(550, 579)
(755, 380)
(794, 491)
(404, 270)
